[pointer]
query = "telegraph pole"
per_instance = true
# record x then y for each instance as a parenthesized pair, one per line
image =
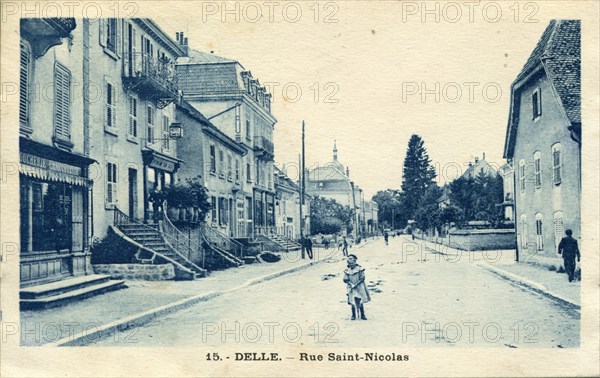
(302, 185)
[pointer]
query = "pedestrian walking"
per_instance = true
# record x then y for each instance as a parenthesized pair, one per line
(308, 245)
(326, 243)
(345, 246)
(569, 249)
(386, 237)
(358, 294)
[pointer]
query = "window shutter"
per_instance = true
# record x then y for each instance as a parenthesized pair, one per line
(62, 96)
(119, 36)
(24, 85)
(113, 105)
(559, 228)
(102, 22)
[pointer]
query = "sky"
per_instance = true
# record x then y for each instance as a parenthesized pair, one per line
(371, 74)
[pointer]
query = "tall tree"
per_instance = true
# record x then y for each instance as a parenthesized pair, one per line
(418, 174)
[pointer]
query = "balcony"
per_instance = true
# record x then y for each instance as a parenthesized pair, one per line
(264, 148)
(44, 33)
(152, 78)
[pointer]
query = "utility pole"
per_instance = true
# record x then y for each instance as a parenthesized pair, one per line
(302, 185)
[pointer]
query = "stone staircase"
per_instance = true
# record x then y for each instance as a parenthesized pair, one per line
(65, 291)
(283, 242)
(154, 240)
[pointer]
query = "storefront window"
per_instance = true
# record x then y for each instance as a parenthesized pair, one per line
(49, 225)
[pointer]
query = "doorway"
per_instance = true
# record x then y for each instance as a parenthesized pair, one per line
(133, 193)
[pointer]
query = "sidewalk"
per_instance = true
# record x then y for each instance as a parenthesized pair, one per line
(533, 273)
(147, 298)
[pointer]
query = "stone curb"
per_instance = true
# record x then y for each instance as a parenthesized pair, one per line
(533, 286)
(89, 336)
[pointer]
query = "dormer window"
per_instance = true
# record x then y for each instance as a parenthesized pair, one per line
(536, 103)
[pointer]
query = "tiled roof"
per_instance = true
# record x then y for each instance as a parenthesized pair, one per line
(559, 49)
(199, 57)
(559, 53)
(208, 78)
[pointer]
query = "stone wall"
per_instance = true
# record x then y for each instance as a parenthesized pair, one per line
(147, 272)
(476, 240)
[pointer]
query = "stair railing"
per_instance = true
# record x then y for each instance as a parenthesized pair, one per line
(120, 219)
(223, 241)
(180, 241)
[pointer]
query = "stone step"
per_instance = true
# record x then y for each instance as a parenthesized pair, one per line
(70, 296)
(59, 287)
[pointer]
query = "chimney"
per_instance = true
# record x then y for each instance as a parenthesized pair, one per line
(182, 41)
(347, 171)
(476, 159)
(483, 158)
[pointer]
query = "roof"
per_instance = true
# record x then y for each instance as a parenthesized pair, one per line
(209, 128)
(199, 57)
(327, 172)
(558, 54)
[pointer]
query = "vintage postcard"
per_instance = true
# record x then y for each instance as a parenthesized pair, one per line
(299, 188)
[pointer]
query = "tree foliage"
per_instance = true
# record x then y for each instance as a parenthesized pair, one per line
(327, 216)
(418, 175)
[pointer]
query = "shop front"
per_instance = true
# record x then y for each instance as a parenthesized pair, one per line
(54, 214)
(159, 173)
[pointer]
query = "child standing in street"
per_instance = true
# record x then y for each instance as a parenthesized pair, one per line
(358, 294)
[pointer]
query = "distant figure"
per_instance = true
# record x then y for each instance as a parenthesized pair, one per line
(156, 198)
(345, 246)
(569, 249)
(386, 237)
(308, 245)
(358, 294)
(326, 243)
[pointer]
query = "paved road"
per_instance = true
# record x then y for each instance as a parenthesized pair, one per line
(418, 300)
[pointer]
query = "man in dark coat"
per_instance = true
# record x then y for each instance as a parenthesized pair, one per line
(308, 244)
(569, 250)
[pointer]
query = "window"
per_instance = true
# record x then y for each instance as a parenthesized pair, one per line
(213, 212)
(248, 133)
(62, 103)
(229, 167)
(248, 172)
(168, 179)
(221, 164)
(538, 169)
(133, 111)
(237, 170)
(213, 159)
(109, 35)
(223, 211)
(523, 231)
(110, 114)
(165, 132)
(258, 174)
(150, 124)
(556, 164)
(559, 228)
(522, 174)
(539, 232)
(536, 102)
(24, 81)
(111, 183)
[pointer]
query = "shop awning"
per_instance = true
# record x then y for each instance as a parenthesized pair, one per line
(45, 162)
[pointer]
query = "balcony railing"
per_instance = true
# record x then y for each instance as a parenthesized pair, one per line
(264, 147)
(151, 77)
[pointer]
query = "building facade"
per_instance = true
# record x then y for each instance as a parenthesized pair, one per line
(287, 207)
(217, 159)
(507, 172)
(543, 140)
(54, 152)
(134, 70)
(234, 101)
(96, 107)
